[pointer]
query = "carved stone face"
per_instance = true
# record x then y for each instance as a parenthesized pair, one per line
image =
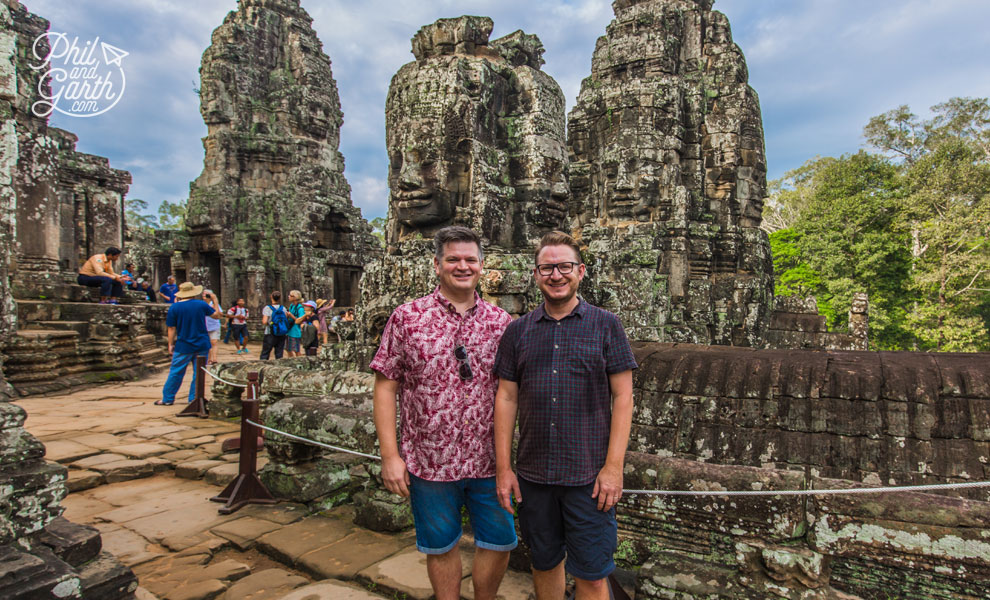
(628, 184)
(545, 194)
(426, 181)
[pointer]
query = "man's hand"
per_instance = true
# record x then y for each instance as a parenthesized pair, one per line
(608, 487)
(507, 487)
(171, 349)
(395, 475)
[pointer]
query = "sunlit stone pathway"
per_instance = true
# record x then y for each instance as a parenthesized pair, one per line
(144, 477)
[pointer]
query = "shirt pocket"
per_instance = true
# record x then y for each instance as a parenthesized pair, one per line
(584, 354)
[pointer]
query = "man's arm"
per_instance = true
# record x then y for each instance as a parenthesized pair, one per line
(171, 339)
(608, 485)
(394, 472)
(264, 319)
(506, 406)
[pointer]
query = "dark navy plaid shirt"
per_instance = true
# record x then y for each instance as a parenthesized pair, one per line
(565, 402)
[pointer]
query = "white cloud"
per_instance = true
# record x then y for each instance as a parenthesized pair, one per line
(821, 68)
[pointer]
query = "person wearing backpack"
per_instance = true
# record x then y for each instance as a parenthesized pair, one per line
(276, 324)
(293, 343)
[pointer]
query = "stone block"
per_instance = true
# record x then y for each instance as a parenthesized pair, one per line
(270, 584)
(71, 542)
(381, 510)
(79, 480)
(196, 469)
(201, 590)
(289, 543)
(107, 579)
(125, 470)
(331, 590)
(142, 450)
(67, 451)
(222, 475)
(306, 481)
(346, 557)
(245, 531)
(405, 573)
(99, 459)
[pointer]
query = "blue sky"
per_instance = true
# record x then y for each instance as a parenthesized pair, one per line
(822, 68)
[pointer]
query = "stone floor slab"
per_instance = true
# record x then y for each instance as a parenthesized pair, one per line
(103, 441)
(67, 451)
(80, 479)
(283, 513)
(195, 469)
(358, 551)
(270, 584)
(125, 470)
(291, 542)
(405, 572)
(201, 590)
(182, 520)
(145, 450)
(83, 508)
(331, 590)
(223, 474)
(99, 459)
(130, 548)
(244, 532)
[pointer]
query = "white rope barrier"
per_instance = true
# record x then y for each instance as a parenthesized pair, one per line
(313, 442)
(230, 383)
(824, 492)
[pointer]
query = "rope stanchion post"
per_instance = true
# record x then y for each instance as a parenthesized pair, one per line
(234, 444)
(247, 487)
(197, 408)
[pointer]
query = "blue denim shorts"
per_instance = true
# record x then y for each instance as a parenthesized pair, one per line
(559, 520)
(436, 507)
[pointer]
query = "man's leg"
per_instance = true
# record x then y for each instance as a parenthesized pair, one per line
(175, 374)
(549, 585)
(494, 536)
(445, 574)
(590, 590)
(192, 384)
(267, 343)
(487, 572)
(279, 346)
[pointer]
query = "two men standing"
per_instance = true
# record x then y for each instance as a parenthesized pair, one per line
(565, 368)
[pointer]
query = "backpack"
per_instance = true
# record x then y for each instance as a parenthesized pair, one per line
(279, 322)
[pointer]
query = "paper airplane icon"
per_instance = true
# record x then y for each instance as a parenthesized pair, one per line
(112, 54)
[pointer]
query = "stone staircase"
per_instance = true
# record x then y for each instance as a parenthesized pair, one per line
(65, 344)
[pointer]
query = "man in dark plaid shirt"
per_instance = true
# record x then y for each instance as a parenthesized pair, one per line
(566, 369)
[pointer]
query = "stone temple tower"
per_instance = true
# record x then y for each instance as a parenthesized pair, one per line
(271, 209)
(668, 176)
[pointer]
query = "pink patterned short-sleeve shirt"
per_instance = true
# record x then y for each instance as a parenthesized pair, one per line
(447, 430)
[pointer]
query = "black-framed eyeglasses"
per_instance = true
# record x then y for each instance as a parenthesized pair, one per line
(464, 368)
(564, 268)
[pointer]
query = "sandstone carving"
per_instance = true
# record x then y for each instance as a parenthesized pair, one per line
(271, 209)
(474, 134)
(668, 176)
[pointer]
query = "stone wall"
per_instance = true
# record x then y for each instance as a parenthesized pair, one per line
(91, 203)
(668, 175)
(41, 554)
(718, 418)
(271, 209)
(795, 323)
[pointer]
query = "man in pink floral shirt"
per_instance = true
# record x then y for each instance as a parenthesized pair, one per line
(435, 360)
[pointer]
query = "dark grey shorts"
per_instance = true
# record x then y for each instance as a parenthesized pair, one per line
(562, 520)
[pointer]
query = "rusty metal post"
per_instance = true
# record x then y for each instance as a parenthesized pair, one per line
(247, 487)
(197, 408)
(234, 444)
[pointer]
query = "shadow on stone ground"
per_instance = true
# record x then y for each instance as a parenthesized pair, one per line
(144, 477)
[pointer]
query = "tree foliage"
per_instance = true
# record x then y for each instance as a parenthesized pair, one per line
(909, 226)
(134, 215)
(172, 215)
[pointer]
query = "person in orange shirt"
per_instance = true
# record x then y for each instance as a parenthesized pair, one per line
(98, 272)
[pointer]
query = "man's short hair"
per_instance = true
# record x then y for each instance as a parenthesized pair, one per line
(455, 233)
(112, 251)
(558, 238)
(276, 296)
(170, 277)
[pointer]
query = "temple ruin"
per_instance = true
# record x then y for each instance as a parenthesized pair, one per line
(668, 175)
(43, 555)
(488, 156)
(272, 209)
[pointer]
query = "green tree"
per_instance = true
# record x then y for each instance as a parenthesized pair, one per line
(791, 194)
(948, 211)
(378, 229)
(134, 214)
(172, 215)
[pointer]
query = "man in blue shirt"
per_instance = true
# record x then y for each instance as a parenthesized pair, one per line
(187, 337)
(168, 290)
